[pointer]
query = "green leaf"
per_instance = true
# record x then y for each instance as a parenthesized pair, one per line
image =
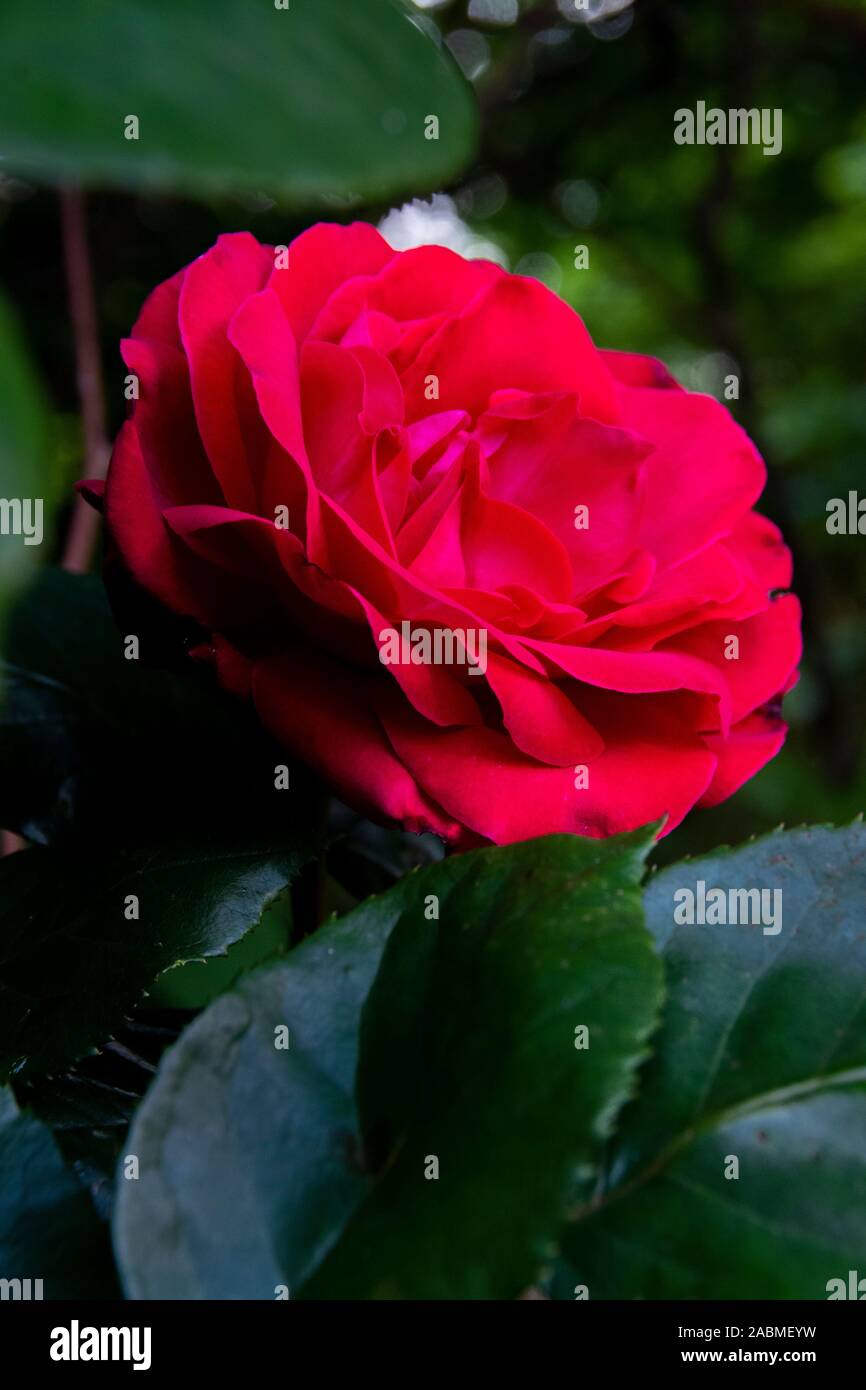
(410, 1036)
(48, 1228)
(195, 984)
(89, 1107)
(762, 1058)
(72, 959)
(323, 98)
(23, 458)
(89, 1119)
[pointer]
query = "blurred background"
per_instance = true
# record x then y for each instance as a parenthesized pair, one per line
(720, 260)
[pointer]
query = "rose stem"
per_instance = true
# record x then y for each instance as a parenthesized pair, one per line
(84, 522)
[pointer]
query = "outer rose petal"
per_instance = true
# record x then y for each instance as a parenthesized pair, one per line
(230, 426)
(633, 369)
(703, 477)
(138, 532)
(257, 581)
(158, 319)
(770, 647)
(757, 546)
(234, 671)
(749, 745)
(649, 769)
(300, 698)
(165, 424)
(257, 569)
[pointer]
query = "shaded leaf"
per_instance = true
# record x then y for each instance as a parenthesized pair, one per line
(761, 1058)
(48, 1228)
(73, 958)
(410, 1037)
(319, 98)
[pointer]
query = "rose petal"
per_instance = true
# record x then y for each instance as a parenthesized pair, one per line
(228, 420)
(531, 341)
(750, 744)
(650, 768)
(299, 696)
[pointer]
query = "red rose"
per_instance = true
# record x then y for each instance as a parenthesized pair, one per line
(337, 464)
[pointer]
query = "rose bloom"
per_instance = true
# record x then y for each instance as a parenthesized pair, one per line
(333, 444)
